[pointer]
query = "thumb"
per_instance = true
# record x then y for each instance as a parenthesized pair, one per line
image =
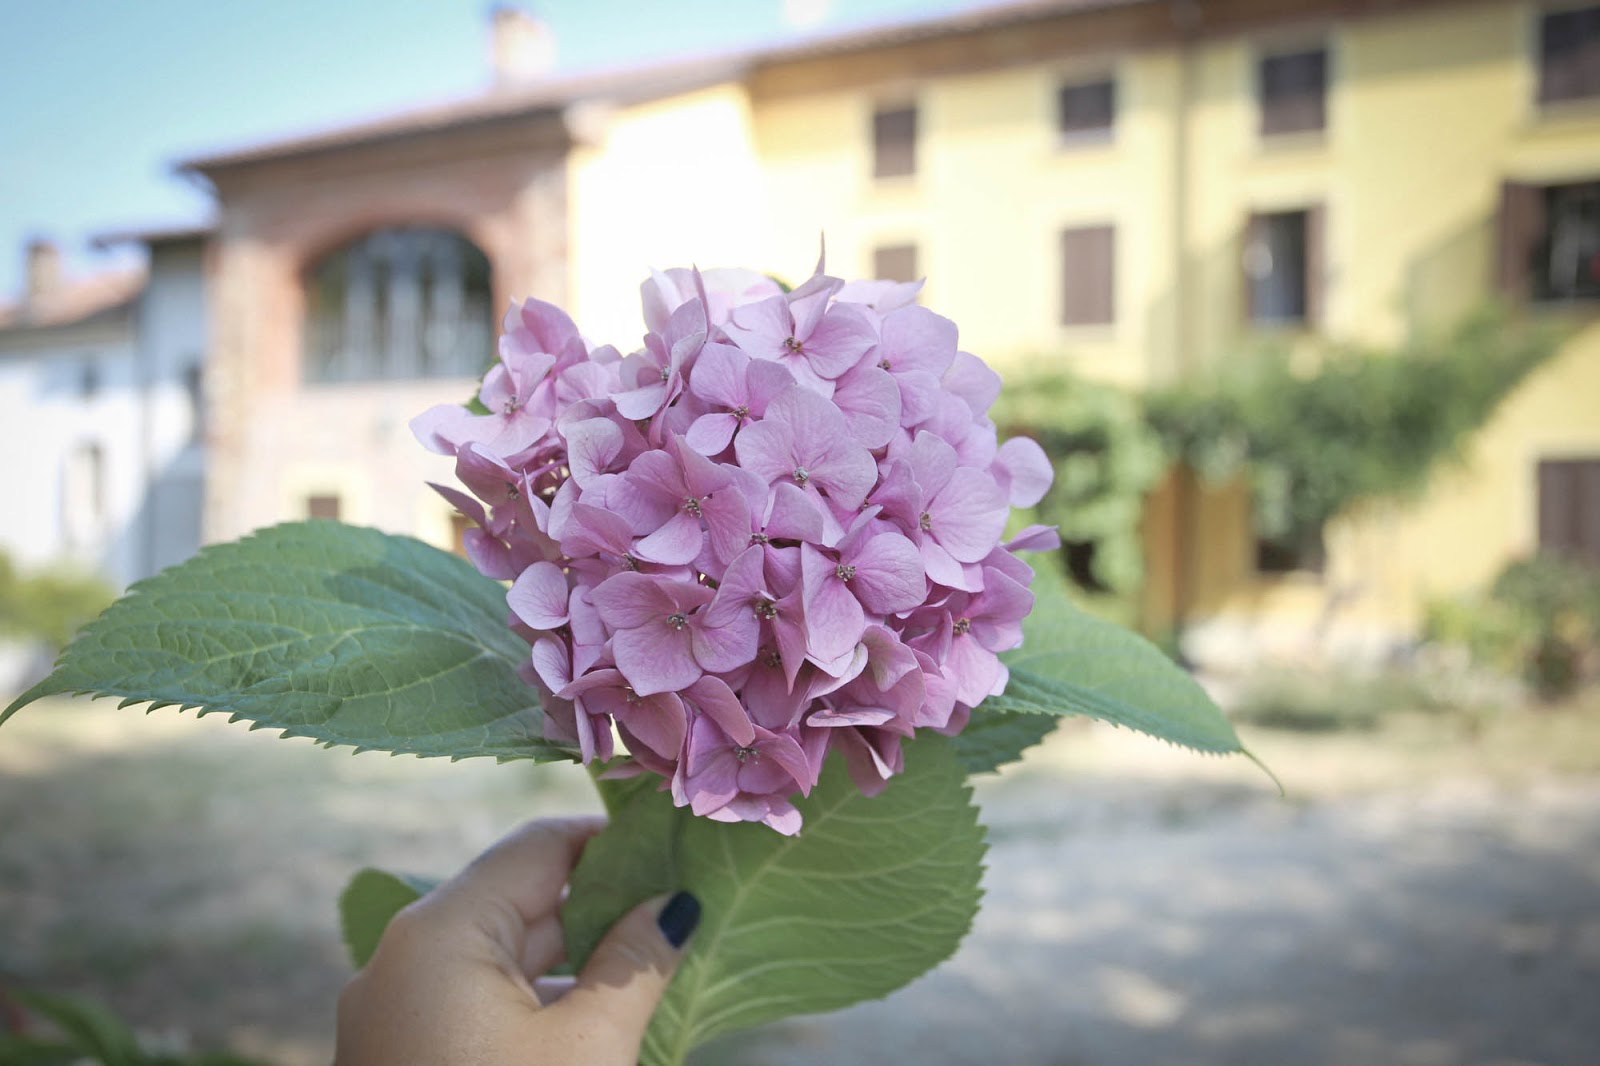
(628, 973)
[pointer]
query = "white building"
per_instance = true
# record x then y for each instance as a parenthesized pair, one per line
(101, 427)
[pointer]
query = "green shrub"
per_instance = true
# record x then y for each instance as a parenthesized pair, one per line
(1323, 702)
(1540, 620)
(51, 604)
(1359, 424)
(1106, 461)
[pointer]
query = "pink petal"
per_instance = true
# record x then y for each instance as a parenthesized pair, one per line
(767, 449)
(592, 446)
(655, 658)
(552, 662)
(713, 698)
(889, 574)
(539, 596)
(968, 516)
(972, 379)
(674, 544)
(629, 600)
(719, 375)
(916, 339)
(1027, 469)
(834, 619)
(870, 400)
(659, 722)
(710, 434)
(440, 428)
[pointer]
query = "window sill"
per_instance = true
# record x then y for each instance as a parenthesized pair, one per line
(1099, 333)
(1555, 114)
(1290, 578)
(1282, 328)
(1085, 140)
(1290, 142)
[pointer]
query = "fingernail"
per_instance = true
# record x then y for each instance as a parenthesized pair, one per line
(678, 918)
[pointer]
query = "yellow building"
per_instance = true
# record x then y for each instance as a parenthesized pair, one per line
(1135, 190)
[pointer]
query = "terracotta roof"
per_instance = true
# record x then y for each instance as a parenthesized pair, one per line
(80, 300)
(634, 84)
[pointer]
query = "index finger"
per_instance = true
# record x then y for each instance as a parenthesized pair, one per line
(526, 869)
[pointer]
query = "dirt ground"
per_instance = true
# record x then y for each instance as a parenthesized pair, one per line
(1423, 896)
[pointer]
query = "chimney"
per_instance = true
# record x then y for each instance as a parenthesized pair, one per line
(44, 271)
(522, 47)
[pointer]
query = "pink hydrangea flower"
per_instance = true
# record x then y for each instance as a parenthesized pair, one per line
(770, 534)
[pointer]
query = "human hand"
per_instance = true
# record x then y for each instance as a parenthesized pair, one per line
(458, 977)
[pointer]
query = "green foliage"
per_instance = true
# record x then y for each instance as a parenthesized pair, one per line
(870, 894)
(1106, 461)
(51, 604)
(88, 1033)
(345, 635)
(1072, 663)
(1365, 424)
(367, 904)
(1540, 619)
(994, 738)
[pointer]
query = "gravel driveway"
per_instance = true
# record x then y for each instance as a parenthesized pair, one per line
(1144, 906)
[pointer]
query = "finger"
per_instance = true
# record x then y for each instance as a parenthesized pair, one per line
(551, 989)
(628, 973)
(525, 870)
(544, 947)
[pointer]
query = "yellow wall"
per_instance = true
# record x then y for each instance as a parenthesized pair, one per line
(1429, 111)
(992, 192)
(663, 184)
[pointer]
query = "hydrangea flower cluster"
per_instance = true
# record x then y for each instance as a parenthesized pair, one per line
(771, 533)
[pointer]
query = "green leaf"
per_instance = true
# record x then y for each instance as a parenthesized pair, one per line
(871, 894)
(994, 738)
(367, 904)
(88, 1027)
(27, 1051)
(341, 634)
(1075, 663)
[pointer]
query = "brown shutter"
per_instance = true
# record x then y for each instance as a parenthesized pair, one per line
(1316, 273)
(896, 262)
(1587, 510)
(1569, 508)
(1521, 225)
(1088, 276)
(322, 506)
(894, 143)
(1569, 55)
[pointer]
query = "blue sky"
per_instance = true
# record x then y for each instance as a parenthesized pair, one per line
(99, 97)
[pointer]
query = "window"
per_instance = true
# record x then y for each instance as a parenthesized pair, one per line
(83, 496)
(399, 303)
(894, 142)
(1569, 508)
(1550, 241)
(1086, 111)
(1293, 87)
(895, 262)
(194, 390)
(323, 506)
(1283, 266)
(1569, 55)
(1285, 555)
(1088, 276)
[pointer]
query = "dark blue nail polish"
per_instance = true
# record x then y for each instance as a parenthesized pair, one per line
(678, 918)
